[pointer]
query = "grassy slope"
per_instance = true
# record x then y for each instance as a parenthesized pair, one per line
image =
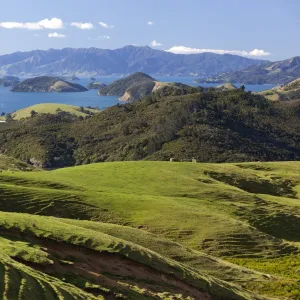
(290, 91)
(50, 108)
(36, 229)
(242, 212)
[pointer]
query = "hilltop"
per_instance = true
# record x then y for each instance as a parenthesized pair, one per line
(290, 91)
(280, 72)
(226, 86)
(88, 62)
(47, 84)
(53, 108)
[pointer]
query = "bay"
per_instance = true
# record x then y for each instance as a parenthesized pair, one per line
(10, 102)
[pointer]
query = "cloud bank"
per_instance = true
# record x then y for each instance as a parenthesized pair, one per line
(53, 23)
(188, 50)
(83, 26)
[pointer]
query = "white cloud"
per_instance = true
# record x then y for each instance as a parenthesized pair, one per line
(188, 50)
(104, 25)
(150, 23)
(56, 35)
(82, 26)
(53, 23)
(257, 52)
(155, 44)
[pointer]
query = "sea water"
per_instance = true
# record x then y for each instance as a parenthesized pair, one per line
(10, 102)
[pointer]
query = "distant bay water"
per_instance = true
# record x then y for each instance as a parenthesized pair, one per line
(10, 102)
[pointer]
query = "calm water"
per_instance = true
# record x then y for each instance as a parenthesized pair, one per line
(10, 102)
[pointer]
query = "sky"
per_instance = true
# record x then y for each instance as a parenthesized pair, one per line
(264, 29)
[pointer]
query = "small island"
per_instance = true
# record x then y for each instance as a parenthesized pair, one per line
(47, 84)
(92, 79)
(96, 85)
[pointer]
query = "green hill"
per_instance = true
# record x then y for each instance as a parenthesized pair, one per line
(290, 91)
(140, 82)
(190, 221)
(52, 108)
(47, 84)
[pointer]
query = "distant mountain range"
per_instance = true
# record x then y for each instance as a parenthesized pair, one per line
(280, 72)
(127, 60)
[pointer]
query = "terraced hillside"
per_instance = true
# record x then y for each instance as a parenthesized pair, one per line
(154, 220)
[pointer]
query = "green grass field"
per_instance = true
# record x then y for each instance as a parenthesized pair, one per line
(217, 228)
(51, 108)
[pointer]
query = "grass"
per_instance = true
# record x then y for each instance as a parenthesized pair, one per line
(51, 108)
(196, 218)
(37, 229)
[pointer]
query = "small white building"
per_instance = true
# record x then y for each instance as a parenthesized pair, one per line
(2, 121)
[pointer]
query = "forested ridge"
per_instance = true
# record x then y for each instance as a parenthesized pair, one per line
(210, 126)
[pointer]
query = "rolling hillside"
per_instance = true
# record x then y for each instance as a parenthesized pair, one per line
(288, 92)
(92, 61)
(191, 221)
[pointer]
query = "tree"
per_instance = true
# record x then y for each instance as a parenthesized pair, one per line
(81, 109)
(33, 113)
(243, 88)
(2, 114)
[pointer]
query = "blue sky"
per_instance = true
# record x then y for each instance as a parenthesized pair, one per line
(267, 29)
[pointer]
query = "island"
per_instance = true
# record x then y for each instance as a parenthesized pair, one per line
(96, 85)
(139, 85)
(47, 84)
(92, 79)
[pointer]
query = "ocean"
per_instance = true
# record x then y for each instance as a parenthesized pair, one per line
(10, 102)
